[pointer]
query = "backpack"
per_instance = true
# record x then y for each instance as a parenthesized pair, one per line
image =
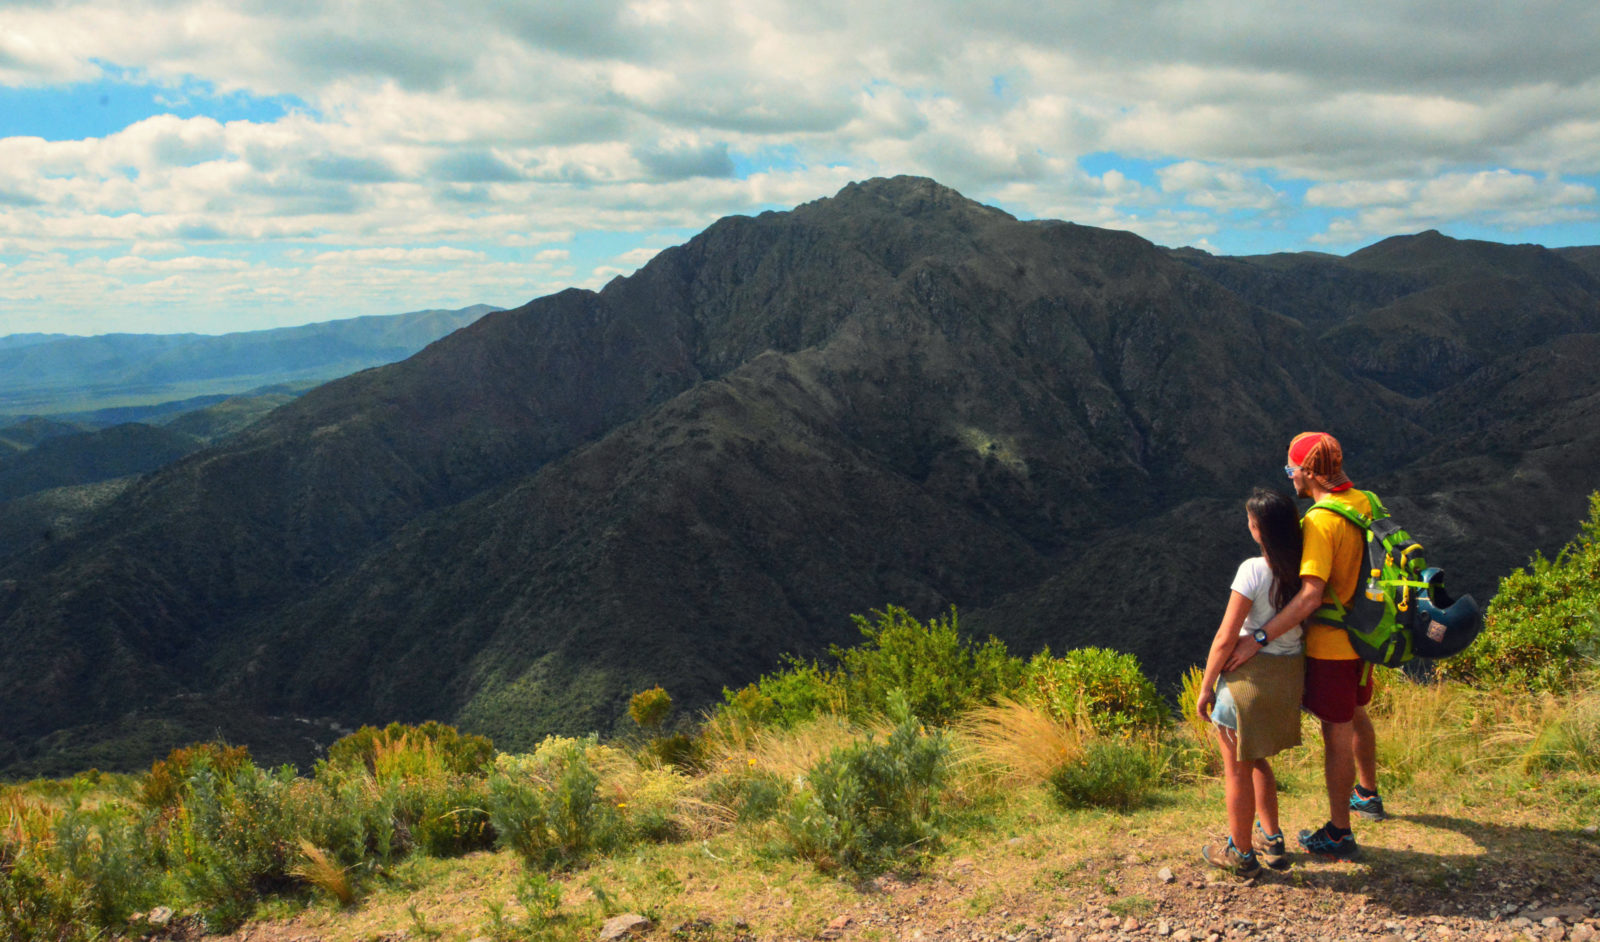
(1404, 611)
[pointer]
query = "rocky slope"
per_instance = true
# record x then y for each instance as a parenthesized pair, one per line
(892, 395)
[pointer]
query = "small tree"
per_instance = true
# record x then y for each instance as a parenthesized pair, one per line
(650, 708)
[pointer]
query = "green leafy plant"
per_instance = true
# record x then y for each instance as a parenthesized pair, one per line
(406, 748)
(868, 806)
(938, 671)
(1543, 628)
(1107, 689)
(1113, 772)
(557, 822)
(164, 785)
(800, 691)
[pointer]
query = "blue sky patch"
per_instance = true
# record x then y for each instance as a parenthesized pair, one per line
(118, 99)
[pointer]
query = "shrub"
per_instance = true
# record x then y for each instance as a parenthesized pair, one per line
(36, 904)
(1543, 626)
(679, 750)
(556, 822)
(749, 795)
(870, 805)
(799, 692)
(445, 816)
(650, 708)
(232, 840)
(164, 785)
(1117, 773)
(1106, 689)
(414, 749)
(940, 672)
(104, 853)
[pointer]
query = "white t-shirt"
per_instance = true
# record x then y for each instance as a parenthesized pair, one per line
(1254, 582)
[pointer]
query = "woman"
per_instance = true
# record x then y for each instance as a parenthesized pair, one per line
(1256, 708)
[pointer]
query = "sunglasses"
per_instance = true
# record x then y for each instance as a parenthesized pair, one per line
(1289, 470)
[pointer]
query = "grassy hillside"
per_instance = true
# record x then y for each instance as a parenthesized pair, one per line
(919, 784)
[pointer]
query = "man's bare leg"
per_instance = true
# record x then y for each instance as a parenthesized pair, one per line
(1339, 770)
(1366, 750)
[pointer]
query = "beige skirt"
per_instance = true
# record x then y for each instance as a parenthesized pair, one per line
(1266, 691)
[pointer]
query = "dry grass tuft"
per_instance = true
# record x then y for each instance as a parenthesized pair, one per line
(1018, 743)
(323, 872)
(790, 753)
(24, 821)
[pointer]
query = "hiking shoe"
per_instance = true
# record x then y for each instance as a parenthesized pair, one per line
(1369, 808)
(1321, 844)
(1270, 848)
(1242, 864)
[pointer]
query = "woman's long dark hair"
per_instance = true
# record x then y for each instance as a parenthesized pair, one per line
(1278, 521)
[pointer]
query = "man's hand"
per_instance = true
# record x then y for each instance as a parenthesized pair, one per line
(1243, 650)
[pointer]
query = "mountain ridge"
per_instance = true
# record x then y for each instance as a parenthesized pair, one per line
(895, 395)
(57, 373)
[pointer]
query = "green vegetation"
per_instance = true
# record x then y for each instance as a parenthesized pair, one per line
(914, 741)
(870, 805)
(1106, 689)
(939, 672)
(1544, 623)
(1112, 773)
(650, 708)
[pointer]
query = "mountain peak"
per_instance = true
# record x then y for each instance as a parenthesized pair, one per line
(907, 196)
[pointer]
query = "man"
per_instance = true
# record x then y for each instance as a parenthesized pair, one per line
(1338, 683)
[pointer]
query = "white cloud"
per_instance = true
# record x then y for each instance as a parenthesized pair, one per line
(636, 257)
(428, 256)
(1214, 187)
(1498, 198)
(517, 125)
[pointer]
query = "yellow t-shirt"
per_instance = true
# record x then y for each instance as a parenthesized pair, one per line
(1335, 551)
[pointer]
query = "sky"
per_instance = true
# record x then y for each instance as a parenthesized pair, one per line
(219, 165)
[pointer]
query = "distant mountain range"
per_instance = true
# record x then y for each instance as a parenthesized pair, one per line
(59, 467)
(47, 374)
(894, 395)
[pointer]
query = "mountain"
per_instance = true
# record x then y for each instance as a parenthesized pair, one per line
(12, 341)
(893, 395)
(49, 374)
(55, 475)
(86, 457)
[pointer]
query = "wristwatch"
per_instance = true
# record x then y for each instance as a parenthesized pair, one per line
(1260, 634)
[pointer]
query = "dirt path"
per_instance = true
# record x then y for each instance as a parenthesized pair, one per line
(1137, 899)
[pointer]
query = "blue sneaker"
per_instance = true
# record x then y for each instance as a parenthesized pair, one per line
(1322, 844)
(1369, 808)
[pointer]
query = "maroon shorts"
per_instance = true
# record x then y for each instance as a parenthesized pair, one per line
(1335, 688)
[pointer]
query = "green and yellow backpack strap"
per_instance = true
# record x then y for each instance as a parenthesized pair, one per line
(1378, 620)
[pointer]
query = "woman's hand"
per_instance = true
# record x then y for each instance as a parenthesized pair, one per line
(1204, 703)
